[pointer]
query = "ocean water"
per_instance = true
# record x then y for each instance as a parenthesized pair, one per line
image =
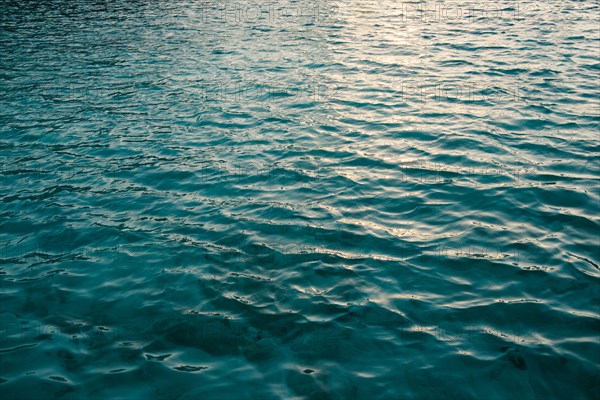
(302, 199)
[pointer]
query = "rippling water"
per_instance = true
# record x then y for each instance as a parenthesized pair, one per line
(276, 200)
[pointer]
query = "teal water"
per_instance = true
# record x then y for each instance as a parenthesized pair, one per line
(356, 199)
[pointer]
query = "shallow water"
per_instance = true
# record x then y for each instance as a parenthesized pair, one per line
(352, 200)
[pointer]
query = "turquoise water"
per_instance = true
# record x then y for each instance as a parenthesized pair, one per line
(299, 200)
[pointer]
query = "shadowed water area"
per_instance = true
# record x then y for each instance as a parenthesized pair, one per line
(299, 200)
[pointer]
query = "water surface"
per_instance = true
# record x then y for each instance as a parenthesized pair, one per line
(299, 200)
